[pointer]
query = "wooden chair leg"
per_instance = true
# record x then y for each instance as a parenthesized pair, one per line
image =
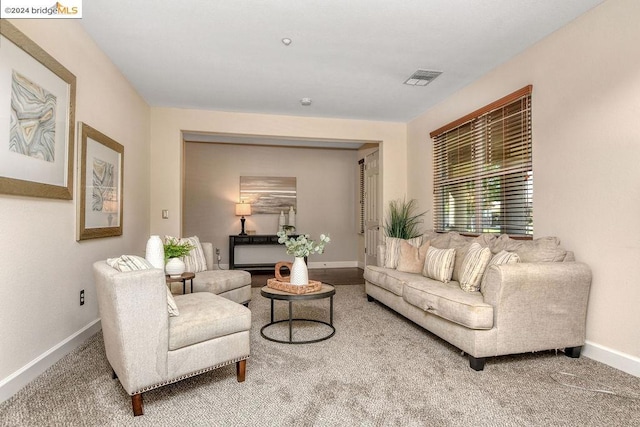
(136, 401)
(241, 369)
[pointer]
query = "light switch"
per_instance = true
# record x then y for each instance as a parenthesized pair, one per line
(165, 214)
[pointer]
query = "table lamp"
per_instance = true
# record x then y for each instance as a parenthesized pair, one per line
(243, 209)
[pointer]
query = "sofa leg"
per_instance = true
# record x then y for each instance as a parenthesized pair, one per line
(136, 401)
(477, 363)
(573, 352)
(370, 298)
(246, 304)
(241, 369)
(114, 376)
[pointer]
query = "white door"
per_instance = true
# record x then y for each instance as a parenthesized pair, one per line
(371, 214)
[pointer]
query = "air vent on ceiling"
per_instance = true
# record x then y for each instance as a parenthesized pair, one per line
(422, 77)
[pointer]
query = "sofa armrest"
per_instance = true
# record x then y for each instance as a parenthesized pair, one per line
(538, 306)
(207, 248)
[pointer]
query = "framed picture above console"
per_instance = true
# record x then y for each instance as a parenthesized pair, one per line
(268, 194)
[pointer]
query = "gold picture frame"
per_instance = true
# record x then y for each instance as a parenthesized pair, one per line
(37, 116)
(100, 203)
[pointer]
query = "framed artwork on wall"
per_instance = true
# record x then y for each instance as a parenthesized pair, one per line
(37, 114)
(101, 185)
(268, 194)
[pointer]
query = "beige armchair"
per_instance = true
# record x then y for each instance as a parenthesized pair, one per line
(147, 348)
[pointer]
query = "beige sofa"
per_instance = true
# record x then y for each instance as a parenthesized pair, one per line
(539, 303)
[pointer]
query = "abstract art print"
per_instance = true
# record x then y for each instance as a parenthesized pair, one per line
(37, 114)
(268, 194)
(101, 185)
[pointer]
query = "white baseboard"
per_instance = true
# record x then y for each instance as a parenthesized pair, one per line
(616, 359)
(23, 376)
(333, 264)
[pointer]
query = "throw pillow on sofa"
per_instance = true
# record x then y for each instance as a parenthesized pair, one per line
(134, 263)
(195, 261)
(392, 249)
(438, 264)
(502, 257)
(411, 258)
(473, 266)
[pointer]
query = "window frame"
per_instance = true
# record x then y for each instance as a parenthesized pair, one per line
(464, 161)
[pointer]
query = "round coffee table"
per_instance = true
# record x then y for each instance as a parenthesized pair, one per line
(327, 291)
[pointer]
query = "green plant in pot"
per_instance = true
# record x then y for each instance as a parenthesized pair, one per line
(402, 220)
(174, 250)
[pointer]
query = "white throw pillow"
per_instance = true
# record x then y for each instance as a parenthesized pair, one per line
(127, 263)
(438, 264)
(473, 266)
(392, 249)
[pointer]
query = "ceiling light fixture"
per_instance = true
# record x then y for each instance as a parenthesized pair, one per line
(422, 77)
(286, 41)
(305, 102)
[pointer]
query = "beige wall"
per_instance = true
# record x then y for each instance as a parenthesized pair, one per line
(586, 107)
(326, 198)
(42, 265)
(167, 149)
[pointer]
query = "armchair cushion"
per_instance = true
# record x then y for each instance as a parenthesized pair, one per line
(205, 316)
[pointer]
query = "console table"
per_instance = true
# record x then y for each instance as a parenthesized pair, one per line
(257, 239)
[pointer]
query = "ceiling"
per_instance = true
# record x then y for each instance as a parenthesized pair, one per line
(350, 57)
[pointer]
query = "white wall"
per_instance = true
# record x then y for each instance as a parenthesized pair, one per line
(167, 149)
(326, 197)
(42, 265)
(586, 148)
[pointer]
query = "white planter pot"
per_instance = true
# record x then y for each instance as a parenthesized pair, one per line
(175, 267)
(299, 272)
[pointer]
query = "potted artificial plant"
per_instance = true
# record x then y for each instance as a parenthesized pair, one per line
(174, 250)
(402, 221)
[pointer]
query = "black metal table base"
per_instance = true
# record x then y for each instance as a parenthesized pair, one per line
(290, 320)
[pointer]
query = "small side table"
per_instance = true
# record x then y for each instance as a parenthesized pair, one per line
(182, 278)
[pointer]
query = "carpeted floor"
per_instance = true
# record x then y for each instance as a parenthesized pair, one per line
(379, 369)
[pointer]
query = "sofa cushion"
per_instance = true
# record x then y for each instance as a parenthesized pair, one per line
(219, 281)
(544, 249)
(388, 278)
(473, 266)
(392, 250)
(206, 316)
(439, 263)
(461, 245)
(411, 258)
(450, 302)
(437, 240)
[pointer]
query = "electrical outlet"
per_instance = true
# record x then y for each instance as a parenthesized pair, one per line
(218, 257)
(217, 251)
(82, 297)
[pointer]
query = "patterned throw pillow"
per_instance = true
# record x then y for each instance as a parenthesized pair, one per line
(195, 261)
(473, 266)
(134, 263)
(392, 249)
(502, 257)
(438, 264)
(411, 258)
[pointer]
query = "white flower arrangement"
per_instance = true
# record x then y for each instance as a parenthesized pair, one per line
(302, 246)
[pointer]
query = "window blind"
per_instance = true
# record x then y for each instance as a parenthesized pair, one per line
(483, 176)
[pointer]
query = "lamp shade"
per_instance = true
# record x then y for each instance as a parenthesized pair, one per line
(243, 209)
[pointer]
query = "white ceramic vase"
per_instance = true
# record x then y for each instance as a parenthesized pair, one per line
(155, 252)
(175, 267)
(299, 272)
